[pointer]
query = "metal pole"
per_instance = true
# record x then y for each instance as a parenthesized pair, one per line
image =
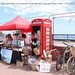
(53, 29)
(67, 37)
(16, 34)
(20, 34)
(63, 60)
(17, 45)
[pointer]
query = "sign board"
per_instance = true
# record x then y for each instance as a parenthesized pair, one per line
(47, 22)
(37, 22)
(6, 55)
(44, 67)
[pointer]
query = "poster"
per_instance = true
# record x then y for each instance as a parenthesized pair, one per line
(6, 55)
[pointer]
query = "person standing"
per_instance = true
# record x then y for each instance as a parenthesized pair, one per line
(24, 37)
(5, 40)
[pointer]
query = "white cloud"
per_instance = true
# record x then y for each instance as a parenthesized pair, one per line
(6, 10)
(23, 9)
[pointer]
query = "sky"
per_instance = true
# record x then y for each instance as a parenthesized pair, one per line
(27, 9)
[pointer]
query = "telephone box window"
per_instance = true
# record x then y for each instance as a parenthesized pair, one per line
(47, 44)
(47, 36)
(47, 48)
(47, 40)
(47, 28)
(48, 33)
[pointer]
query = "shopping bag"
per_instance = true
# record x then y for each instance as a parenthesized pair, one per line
(36, 51)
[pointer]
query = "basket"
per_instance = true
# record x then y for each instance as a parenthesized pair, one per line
(26, 51)
(33, 65)
(72, 50)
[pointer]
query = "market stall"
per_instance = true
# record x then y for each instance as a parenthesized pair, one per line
(41, 40)
(16, 24)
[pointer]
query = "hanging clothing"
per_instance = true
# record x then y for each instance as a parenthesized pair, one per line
(34, 42)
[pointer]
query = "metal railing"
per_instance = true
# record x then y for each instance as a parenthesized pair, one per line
(63, 36)
(55, 37)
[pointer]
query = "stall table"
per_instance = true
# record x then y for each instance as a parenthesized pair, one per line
(0, 49)
(16, 55)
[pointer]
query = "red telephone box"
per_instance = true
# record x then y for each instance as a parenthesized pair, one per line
(44, 27)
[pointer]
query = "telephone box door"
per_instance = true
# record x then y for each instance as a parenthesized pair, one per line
(47, 38)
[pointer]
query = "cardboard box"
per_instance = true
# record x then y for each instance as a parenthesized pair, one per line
(48, 58)
(43, 67)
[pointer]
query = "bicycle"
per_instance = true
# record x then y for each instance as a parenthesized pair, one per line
(61, 59)
(71, 62)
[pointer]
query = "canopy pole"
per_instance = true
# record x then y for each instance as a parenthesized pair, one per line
(20, 35)
(17, 46)
(53, 25)
(16, 35)
(53, 29)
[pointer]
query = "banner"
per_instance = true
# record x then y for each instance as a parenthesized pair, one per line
(6, 55)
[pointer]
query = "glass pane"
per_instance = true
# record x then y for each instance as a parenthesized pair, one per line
(47, 48)
(47, 28)
(47, 44)
(47, 52)
(47, 40)
(47, 36)
(48, 32)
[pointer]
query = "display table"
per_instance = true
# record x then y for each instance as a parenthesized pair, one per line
(0, 49)
(15, 56)
(1, 45)
(0, 55)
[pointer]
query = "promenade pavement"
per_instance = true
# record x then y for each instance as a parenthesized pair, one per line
(12, 69)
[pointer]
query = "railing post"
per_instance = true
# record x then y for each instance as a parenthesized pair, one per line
(52, 38)
(67, 37)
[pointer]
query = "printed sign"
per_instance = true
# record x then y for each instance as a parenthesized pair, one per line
(37, 22)
(6, 55)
